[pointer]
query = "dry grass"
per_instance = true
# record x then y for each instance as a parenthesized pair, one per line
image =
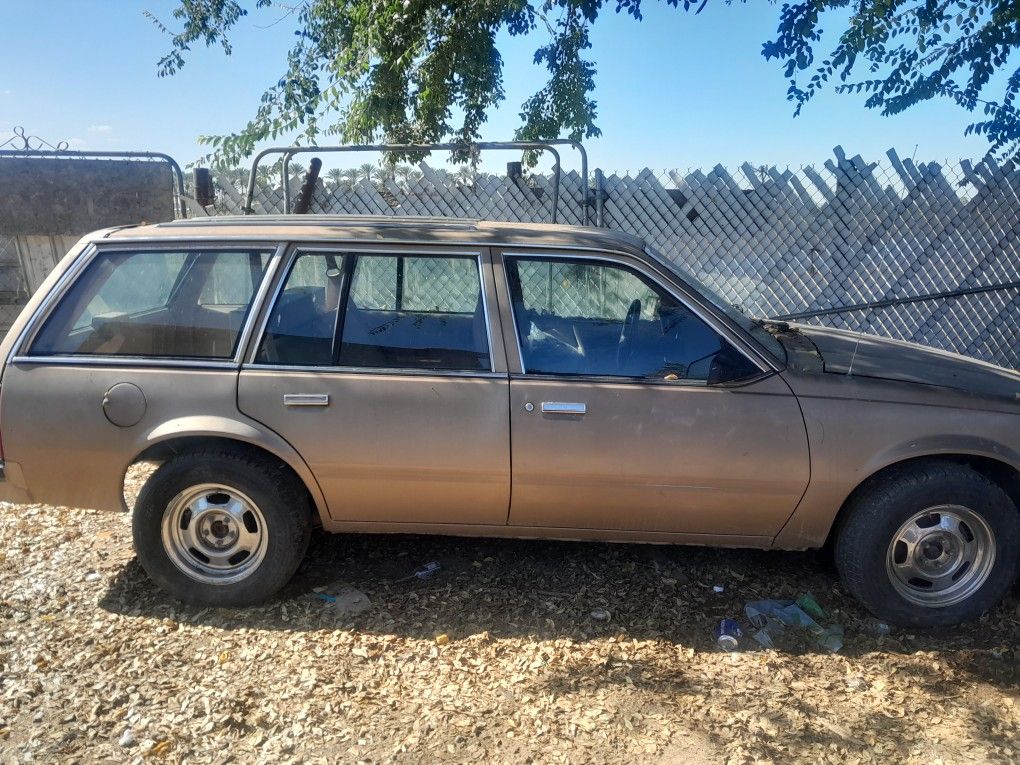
(90, 649)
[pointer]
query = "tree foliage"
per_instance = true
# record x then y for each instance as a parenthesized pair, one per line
(903, 52)
(425, 71)
(405, 71)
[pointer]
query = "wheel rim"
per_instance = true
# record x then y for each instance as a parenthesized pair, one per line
(214, 534)
(941, 556)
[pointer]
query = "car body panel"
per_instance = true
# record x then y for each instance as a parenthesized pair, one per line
(394, 447)
(853, 353)
(657, 457)
(70, 453)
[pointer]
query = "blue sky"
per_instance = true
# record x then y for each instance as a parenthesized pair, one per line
(675, 90)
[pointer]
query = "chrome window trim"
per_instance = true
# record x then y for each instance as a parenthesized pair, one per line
(125, 361)
(34, 325)
(368, 371)
(680, 295)
(296, 250)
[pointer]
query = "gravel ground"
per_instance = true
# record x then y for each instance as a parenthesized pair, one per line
(497, 657)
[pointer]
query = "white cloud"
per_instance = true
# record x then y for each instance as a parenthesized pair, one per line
(100, 128)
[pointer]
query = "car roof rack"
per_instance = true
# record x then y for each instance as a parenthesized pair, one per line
(321, 220)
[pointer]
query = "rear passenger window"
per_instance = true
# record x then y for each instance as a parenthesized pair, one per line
(176, 304)
(301, 327)
(415, 313)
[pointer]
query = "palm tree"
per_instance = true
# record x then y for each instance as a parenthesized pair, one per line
(366, 172)
(335, 176)
(406, 175)
(466, 175)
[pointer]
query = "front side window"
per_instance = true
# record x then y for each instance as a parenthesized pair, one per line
(587, 317)
(159, 303)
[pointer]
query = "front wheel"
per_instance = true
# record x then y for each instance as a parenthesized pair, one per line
(930, 545)
(221, 529)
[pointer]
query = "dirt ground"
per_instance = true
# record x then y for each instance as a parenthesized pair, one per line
(497, 658)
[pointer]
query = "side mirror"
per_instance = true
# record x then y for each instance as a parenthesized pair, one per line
(729, 365)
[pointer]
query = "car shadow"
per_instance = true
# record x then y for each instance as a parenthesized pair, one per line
(550, 590)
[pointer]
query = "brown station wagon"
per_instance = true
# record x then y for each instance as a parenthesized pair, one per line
(459, 377)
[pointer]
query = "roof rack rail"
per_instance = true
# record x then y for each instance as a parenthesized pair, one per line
(323, 220)
(289, 151)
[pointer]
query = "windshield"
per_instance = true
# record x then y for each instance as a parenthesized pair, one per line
(736, 313)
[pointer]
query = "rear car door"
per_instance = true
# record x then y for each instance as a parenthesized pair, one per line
(631, 411)
(379, 367)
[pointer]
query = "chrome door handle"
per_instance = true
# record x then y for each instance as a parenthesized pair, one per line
(305, 399)
(563, 407)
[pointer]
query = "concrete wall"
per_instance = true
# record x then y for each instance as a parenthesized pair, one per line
(74, 196)
(46, 204)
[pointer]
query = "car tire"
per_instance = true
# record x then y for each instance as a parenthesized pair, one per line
(221, 528)
(930, 545)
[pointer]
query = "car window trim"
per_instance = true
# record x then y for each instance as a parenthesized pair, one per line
(21, 354)
(296, 249)
(633, 264)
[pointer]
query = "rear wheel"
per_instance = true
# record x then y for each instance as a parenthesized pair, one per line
(220, 528)
(930, 545)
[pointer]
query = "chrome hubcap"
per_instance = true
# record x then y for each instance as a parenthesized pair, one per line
(214, 534)
(941, 556)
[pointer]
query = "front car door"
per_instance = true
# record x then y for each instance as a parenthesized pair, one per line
(378, 366)
(633, 410)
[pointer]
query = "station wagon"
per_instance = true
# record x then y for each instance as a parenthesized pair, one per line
(470, 378)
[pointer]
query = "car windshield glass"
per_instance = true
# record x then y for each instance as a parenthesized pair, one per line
(736, 313)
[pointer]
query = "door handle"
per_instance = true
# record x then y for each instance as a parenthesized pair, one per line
(305, 399)
(563, 407)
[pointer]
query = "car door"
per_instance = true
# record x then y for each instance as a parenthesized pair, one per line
(631, 410)
(380, 369)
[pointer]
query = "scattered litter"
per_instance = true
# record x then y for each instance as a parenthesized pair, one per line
(794, 614)
(728, 634)
(127, 738)
(600, 615)
(443, 639)
(427, 571)
(877, 628)
(856, 683)
(347, 601)
(92, 576)
(718, 588)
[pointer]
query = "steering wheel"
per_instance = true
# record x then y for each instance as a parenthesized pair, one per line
(623, 347)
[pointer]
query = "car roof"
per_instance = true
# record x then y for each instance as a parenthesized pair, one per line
(376, 228)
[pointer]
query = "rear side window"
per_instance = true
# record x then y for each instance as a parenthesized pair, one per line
(163, 304)
(397, 312)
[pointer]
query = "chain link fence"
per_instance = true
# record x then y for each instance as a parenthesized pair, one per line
(921, 251)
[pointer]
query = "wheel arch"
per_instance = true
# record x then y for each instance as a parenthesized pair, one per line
(191, 433)
(999, 472)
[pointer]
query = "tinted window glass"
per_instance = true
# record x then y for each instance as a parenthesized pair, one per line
(415, 313)
(301, 326)
(157, 304)
(589, 318)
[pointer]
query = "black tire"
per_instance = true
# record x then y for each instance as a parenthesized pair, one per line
(879, 510)
(279, 497)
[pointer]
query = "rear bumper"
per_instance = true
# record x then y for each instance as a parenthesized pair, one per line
(12, 484)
